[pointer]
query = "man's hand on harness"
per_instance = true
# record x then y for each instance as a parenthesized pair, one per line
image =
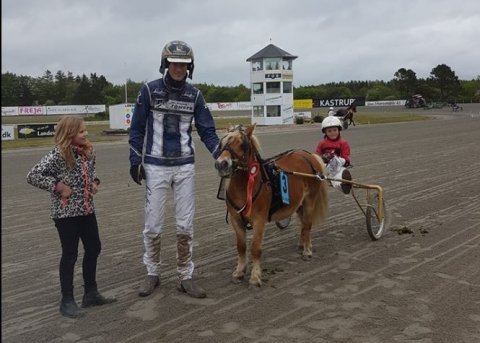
(137, 172)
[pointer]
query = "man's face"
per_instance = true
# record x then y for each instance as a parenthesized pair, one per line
(177, 71)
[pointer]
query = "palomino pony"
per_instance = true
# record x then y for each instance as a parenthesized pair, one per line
(253, 194)
(347, 114)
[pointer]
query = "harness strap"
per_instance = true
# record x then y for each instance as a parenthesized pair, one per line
(240, 209)
(314, 171)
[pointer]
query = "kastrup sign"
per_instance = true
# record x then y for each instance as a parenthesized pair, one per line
(359, 101)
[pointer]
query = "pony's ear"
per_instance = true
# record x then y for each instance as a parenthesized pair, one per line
(249, 130)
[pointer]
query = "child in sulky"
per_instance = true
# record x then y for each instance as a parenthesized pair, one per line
(335, 152)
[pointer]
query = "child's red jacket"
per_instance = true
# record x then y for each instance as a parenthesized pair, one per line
(339, 147)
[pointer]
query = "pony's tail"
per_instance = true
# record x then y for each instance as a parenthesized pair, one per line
(320, 212)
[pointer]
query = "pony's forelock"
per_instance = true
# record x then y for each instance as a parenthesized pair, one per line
(238, 132)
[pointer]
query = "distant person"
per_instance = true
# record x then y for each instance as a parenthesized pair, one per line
(335, 151)
(68, 174)
(331, 112)
(162, 152)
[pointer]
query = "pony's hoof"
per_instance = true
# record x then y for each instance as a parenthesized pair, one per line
(236, 280)
(306, 257)
(256, 282)
(238, 276)
(255, 289)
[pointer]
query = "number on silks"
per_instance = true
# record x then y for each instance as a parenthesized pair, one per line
(284, 188)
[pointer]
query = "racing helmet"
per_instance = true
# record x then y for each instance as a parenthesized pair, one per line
(331, 122)
(178, 52)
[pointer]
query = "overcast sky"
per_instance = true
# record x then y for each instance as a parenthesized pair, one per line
(334, 40)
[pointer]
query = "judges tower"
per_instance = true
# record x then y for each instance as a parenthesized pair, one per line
(271, 77)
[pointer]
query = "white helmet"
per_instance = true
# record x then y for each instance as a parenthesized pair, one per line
(331, 108)
(331, 122)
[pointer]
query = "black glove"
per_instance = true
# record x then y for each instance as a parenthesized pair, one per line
(327, 157)
(137, 172)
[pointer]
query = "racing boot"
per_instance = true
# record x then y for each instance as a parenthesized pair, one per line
(193, 290)
(148, 285)
(346, 187)
(69, 308)
(94, 298)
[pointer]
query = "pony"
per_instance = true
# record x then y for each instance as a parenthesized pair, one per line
(253, 196)
(346, 114)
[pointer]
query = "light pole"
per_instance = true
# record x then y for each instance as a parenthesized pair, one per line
(126, 82)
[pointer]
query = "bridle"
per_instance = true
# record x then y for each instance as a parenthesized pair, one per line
(249, 162)
(239, 162)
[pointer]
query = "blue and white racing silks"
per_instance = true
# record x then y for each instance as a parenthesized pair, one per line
(161, 126)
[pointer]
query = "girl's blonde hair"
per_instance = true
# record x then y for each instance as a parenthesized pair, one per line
(66, 130)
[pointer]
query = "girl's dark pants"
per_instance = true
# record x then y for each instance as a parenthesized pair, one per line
(71, 230)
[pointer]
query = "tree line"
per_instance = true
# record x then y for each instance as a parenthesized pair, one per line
(67, 89)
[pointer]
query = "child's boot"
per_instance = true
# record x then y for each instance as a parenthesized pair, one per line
(69, 308)
(94, 298)
(346, 187)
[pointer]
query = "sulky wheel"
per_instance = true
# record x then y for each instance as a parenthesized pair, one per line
(375, 227)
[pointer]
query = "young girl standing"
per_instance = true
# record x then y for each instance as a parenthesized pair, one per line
(68, 173)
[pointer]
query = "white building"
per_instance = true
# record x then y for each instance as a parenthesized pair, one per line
(271, 80)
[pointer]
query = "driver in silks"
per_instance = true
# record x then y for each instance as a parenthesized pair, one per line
(162, 152)
(335, 152)
(331, 112)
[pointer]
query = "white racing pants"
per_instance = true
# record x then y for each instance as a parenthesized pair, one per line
(159, 181)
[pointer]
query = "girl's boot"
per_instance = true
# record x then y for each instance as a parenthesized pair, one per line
(69, 308)
(94, 298)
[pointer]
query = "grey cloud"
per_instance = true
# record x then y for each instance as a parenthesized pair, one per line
(335, 41)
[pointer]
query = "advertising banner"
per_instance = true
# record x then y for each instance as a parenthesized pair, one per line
(121, 116)
(52, 110)
(31, 110)
(9, 111)
(302, 103)
(128, 115)
(359, 101)
(74, 109)
(386, 103)
(8, 132)
(244, 105)
(36, 130)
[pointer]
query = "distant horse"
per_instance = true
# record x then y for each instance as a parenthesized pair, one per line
(253, 195)
(346, 114)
